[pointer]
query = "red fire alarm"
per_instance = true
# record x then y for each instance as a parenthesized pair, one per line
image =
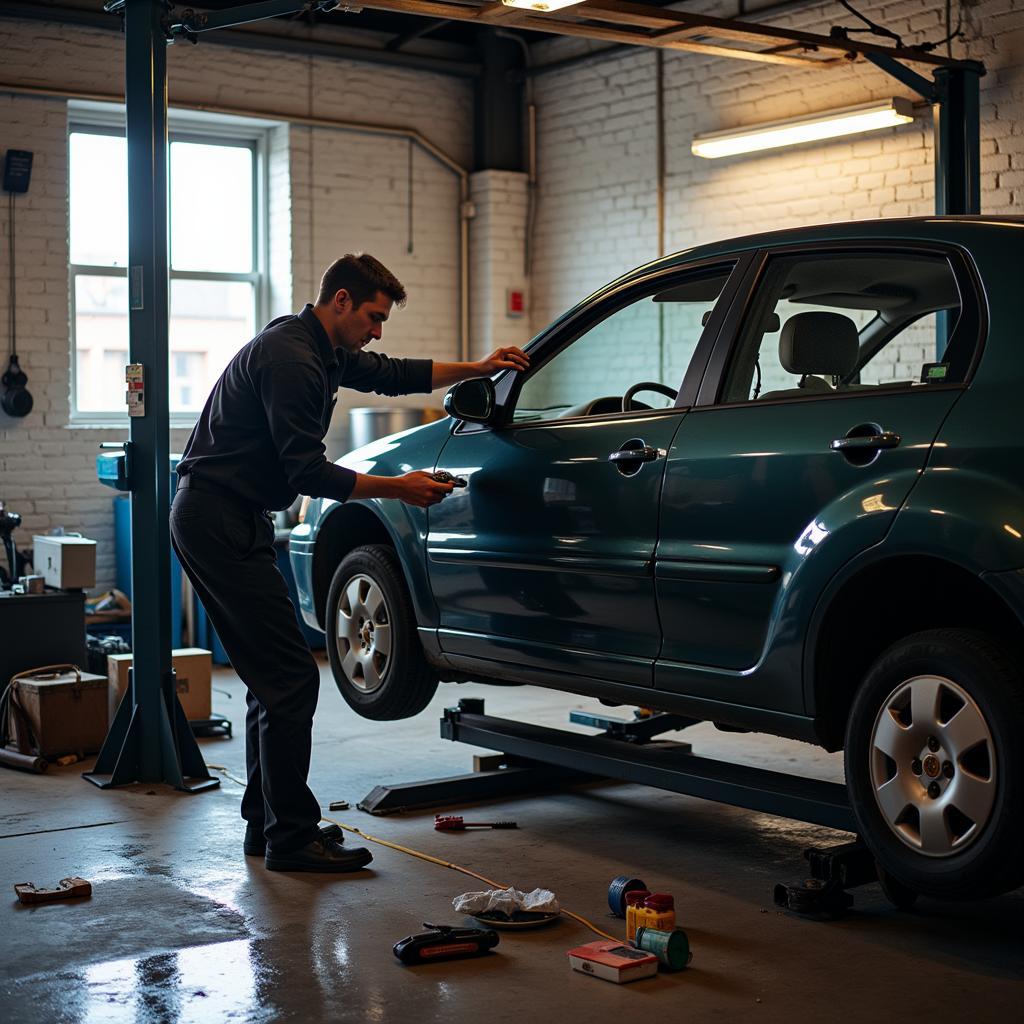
(515, 302)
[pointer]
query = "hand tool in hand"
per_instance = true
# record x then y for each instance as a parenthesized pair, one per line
(442, 476)
(444, 942)
(454, 823)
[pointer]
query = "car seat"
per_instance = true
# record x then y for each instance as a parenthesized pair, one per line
(816, 345)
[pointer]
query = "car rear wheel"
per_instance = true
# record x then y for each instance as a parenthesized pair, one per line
(375, 653)
(935, 764)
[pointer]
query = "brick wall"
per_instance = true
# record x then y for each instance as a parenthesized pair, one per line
(330, 191)
(597, 146)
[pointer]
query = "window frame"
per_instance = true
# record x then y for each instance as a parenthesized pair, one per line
(570, 327)
(183, 126)
(973, 321)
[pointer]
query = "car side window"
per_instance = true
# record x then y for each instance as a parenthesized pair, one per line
(650, 339)
(828, 324)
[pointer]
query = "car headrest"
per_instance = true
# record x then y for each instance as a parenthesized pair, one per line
(819, 343)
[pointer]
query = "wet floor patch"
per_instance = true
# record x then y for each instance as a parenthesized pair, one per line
(124, 917)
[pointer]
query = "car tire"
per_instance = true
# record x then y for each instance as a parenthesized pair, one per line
(372, 643)
(935, 765)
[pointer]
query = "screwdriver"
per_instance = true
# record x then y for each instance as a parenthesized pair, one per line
(454, 823)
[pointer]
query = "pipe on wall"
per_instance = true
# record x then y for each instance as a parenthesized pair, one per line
(357, 127)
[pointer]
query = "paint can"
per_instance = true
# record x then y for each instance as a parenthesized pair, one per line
(671, 948)
(617, 893)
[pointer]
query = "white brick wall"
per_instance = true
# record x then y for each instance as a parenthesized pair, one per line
(597, 157)
(347, 192)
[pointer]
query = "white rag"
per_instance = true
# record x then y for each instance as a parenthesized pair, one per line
(506, 901)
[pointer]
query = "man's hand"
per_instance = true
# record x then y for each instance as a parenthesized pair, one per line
(506, 358)
(421, 489)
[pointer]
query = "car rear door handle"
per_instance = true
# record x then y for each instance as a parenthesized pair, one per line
(873, 442)
(644, 454)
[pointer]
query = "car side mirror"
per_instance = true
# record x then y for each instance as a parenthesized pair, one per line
(471, 400)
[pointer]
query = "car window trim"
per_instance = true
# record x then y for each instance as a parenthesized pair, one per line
(569, 328)
(973, 304)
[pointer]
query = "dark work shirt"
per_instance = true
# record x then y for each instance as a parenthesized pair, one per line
(260, 434)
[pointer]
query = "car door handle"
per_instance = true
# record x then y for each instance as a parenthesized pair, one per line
(644, 454)
(887, 439)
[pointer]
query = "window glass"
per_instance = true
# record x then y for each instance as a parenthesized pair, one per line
(98, 192)
(210, 322)
(214, 279)
(832, 324)
(650, 340)
(211, 207)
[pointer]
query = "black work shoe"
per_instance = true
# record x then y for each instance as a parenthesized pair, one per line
(319, 855)
(255, 845)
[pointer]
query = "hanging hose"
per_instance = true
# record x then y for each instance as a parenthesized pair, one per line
(427, 857)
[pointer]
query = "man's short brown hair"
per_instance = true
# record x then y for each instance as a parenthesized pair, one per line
(362, 277)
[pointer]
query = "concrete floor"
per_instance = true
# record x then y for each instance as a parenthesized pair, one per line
(182, 927)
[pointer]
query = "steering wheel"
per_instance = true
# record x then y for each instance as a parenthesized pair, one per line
(646, 385)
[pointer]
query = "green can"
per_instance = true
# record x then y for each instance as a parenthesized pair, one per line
(671, 948)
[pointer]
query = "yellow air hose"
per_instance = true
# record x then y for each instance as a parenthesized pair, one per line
(427, 857)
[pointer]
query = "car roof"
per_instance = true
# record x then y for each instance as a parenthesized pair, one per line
(952, 229)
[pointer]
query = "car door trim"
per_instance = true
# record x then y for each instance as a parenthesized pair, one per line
(722, 572)
(558, 563)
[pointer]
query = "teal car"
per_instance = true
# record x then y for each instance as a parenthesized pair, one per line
(774, 483)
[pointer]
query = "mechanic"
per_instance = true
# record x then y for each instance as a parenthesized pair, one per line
(258, 444)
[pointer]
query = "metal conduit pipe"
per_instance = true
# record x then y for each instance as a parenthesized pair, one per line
(357, 127)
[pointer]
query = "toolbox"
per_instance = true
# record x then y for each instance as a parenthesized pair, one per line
(66, 709)
(192, 669)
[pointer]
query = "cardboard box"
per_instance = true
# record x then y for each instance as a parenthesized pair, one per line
(67, 563)
(192, 667)
(67, 712)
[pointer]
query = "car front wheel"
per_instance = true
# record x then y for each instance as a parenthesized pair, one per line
(935, 764)
(375, 653)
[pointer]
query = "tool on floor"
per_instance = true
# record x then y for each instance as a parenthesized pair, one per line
(672, 948)
(613, 961)
(445, 942)
(621, 885)
(67, 889)
(338, 805)
(454, 823)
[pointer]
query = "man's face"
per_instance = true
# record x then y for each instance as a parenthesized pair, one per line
(356, 326)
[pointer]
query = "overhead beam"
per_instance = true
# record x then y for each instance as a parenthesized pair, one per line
(640, 25)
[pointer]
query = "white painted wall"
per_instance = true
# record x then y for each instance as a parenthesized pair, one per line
(331, 192)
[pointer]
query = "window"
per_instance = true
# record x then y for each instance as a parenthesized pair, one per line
(650, 340)
(832, 324)
(216, 260)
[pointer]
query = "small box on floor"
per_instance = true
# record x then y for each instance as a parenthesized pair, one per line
(192, 667)
(66, 711)
(613, 961)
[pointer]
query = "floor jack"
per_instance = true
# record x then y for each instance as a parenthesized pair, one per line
(834, 870)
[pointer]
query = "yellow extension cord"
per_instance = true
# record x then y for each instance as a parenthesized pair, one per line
(427, 857)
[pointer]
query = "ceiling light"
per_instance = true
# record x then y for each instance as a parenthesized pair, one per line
(544, 6)
(830, 124)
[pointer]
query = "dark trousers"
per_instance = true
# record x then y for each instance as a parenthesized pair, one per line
(227, 550)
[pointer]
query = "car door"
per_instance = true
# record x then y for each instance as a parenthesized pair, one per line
(816, 416)
(545, 559)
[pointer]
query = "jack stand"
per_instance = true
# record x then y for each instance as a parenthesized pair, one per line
(835, 869)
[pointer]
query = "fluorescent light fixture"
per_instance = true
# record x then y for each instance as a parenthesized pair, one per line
(831, 124)
(544, 6)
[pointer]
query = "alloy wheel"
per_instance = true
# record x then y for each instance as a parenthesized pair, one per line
(363, 634)
(933, 765)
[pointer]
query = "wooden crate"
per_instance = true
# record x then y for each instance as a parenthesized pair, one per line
(67, 711)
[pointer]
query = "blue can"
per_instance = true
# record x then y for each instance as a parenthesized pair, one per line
(617, 892)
